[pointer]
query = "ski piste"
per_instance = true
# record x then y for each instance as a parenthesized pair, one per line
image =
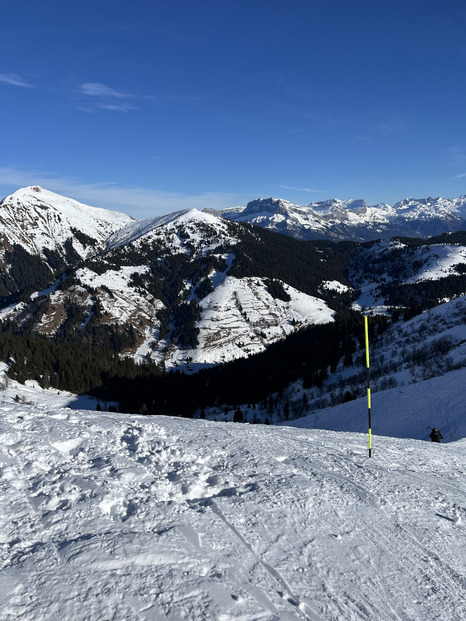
(168, 518)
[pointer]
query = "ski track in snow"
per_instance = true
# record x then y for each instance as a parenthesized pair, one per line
(108, 516)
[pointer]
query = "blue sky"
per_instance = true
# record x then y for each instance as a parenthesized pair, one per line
(148, 107)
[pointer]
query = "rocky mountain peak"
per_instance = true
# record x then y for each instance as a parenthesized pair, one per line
(267, 205)
(353, 219)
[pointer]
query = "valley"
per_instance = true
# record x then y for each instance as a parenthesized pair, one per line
(102, 308)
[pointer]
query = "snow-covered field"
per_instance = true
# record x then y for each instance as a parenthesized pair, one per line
(408, 411)
(440, 262)
(111, 516)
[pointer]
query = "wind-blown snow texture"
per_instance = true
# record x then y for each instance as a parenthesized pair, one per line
(108, 516)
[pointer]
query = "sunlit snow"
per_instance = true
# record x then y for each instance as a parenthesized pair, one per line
(112, 516)
(37, 218)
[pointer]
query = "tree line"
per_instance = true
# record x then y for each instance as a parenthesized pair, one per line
(85, 369)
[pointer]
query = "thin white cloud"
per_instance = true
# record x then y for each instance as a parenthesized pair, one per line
(390, 126)
(14, 80)
(106, 98)
(137, 202)
(96, 89)
(461, 176)
(122, 107)
(103, 97)
(289, 187)
(457, 153)
(366, 129)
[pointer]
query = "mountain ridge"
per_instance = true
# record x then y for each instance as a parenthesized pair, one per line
(353, 219)
(337, 219)
(191, 289)
(186, 289)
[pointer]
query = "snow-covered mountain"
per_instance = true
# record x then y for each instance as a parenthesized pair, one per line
(42, 234)
(192, 289)
(353, 219)
(142, 231)
(39, 220)
(170, 288)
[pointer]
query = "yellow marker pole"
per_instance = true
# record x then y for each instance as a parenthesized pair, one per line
(366, 330)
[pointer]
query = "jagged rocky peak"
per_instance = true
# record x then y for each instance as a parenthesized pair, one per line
(267, 205)
(356, 204)
(410, 202)
(456, 206)
(354, 219)
(335, 204)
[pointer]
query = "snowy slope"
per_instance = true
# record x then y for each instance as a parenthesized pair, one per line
(120, 302)
(440, 261)
(166, 226)
(407, 411)
(418, 380)
(391, 261)
(133, 518)
(240, 318)
(36, 219)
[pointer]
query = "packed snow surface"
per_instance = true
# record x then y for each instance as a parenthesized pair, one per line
(111, 516)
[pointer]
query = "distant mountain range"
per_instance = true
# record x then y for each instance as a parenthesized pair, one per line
(353, 219)
(193, 289)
